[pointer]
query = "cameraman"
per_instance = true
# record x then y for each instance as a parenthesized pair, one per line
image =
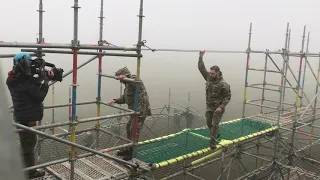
(27, 96)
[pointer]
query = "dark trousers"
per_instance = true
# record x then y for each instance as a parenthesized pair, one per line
(28, 141)
(213, 120)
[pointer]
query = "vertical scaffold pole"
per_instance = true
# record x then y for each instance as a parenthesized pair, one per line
(285, 53)
(135, 121)
(52, 121)
(99, 76)
(286, 70)
(169, 107)
(304, 71)
(246, 77)
(189, 101)
(70, 108)
(291, 153)
(74, 85)
(39, 55)
(264, 80)
(119, 118)
(315, 102)
(169, 101)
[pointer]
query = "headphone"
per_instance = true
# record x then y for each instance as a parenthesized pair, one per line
(21, 64)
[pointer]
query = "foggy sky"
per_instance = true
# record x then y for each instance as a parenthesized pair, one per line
(188, 24)
(203, 24)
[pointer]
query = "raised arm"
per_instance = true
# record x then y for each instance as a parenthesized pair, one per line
(202, 67)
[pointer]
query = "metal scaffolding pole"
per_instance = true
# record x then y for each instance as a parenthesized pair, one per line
(63, 46)
(264, 82)
(117, 78)
(286, 79)
(315, 102)
(117, 107)
(74, 87)
(286, 71)
(230, 52)
(100, 53)
(304, 71)
(100, 43)
(73, 144)
(81, 121)
(139, 45)
(298, 97)
(285, 51)
(39, 55)
(120, 48)
(75, 46)
(70, 72)
(246, 77)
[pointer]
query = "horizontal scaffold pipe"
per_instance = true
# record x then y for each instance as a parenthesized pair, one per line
(286, 103)
(63, 105)
(266, 70)
(67, 105)
(47, 126)
(82, 52)
(71, 71)
(120, 48)
(12, 55)
(186, 50)
(81, 121)
(77, 132)
(74, 144)
(105, 117)
(117, 78)
(116, 135)
(253, 104)
(117, 107)
(63, 46)
(130, 144)
(268, 89)
(233, 51)
(59, 161)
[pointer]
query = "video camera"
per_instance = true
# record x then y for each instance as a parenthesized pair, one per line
(37, 67)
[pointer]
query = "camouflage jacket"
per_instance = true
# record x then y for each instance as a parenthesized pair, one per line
(218, 93)
(128, 98)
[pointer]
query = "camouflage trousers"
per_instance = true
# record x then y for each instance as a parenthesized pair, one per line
(129, 126)
(213, 120)
(28, 141)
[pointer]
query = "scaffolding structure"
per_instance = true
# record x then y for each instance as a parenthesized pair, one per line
(287, 159)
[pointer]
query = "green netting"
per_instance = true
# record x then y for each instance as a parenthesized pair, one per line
(166, 149)
(233, 130)
(187, 142)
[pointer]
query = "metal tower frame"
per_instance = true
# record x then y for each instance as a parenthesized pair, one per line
(290, 123)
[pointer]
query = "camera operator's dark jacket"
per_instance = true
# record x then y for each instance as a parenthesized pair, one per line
(27, 97)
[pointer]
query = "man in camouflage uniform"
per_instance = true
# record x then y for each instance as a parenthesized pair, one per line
(218, 95)
(129, 98)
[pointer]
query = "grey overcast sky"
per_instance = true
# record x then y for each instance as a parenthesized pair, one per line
(196, 24)
(188, 24)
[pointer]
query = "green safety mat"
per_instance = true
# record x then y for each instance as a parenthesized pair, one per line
(188, 141)
(233, 130)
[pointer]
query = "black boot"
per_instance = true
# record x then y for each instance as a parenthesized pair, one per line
(36, 174)
(128, 156)
(213, 143)
(124, 152)
(213, 146)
